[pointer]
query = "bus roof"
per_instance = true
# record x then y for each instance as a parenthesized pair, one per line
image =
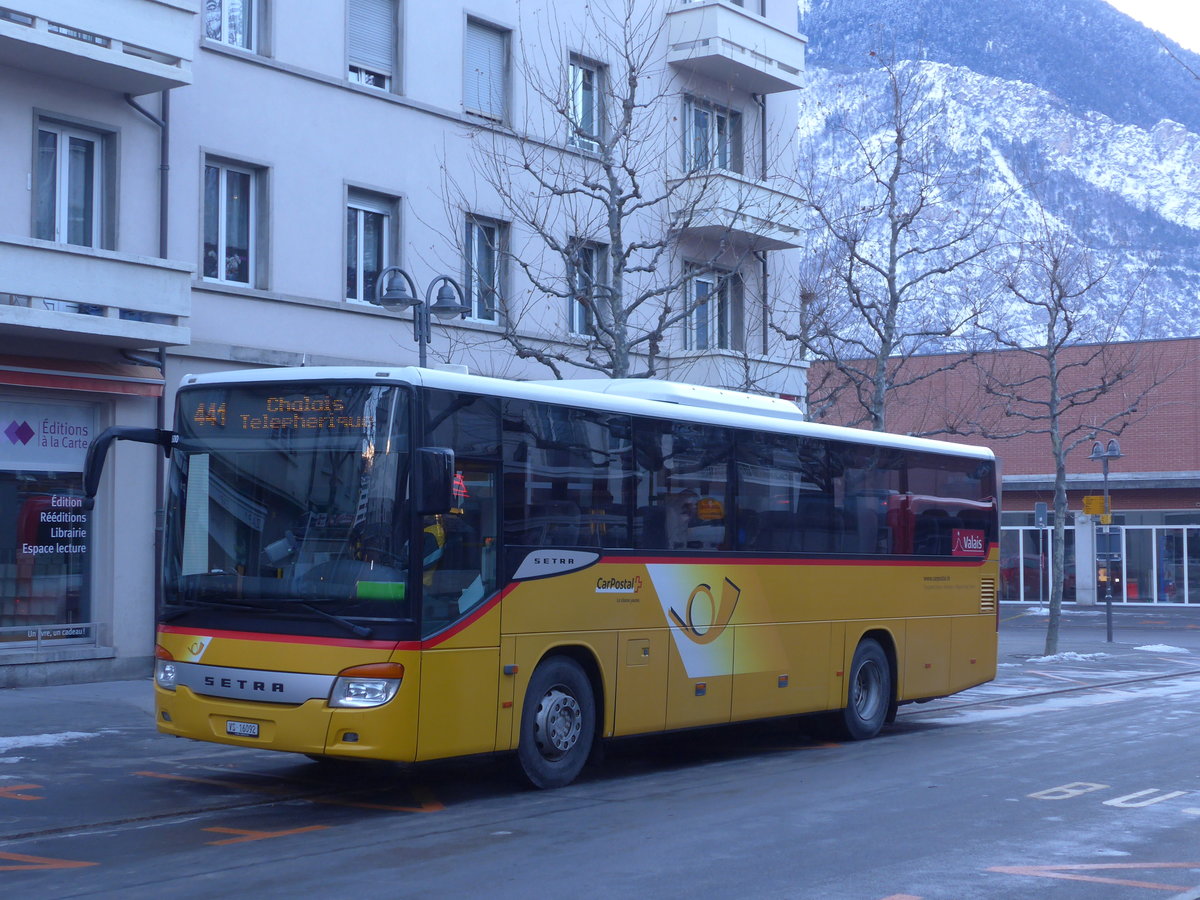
(644, 397)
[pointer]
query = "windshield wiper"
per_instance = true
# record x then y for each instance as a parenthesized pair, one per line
(361, 631)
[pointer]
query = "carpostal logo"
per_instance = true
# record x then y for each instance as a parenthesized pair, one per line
(966, 542)
(619, 585)
(704, 616)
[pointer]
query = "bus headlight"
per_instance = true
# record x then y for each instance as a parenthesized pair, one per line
(164, 674)
(366, 686)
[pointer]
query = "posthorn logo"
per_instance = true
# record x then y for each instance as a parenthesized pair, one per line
(19, 432)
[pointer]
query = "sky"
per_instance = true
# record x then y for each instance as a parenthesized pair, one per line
(1177, 19)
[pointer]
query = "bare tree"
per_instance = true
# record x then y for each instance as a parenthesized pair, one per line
(599, 192)
(903, 225)
(1175, 56)
(1067, 369)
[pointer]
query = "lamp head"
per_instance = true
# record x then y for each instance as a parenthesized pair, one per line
(391, 296)
(447, 304)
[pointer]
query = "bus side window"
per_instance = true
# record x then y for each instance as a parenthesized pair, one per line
(568, 476)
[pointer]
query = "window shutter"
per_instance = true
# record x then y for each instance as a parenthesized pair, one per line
(483, 76)
(372, 35)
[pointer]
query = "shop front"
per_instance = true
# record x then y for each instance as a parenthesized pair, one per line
(76, 586)
(45, 533)
(1157, 560)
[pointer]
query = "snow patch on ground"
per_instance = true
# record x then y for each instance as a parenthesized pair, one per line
(1184, 688)
(1068, 656)
(1045, 611)
(43, 740)
(1162, 648)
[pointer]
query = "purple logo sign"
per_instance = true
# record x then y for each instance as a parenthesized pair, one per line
(19, 433)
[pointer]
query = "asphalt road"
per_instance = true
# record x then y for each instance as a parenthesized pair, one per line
(1072, 777)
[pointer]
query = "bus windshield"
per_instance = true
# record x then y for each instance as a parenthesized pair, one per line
(287, 510)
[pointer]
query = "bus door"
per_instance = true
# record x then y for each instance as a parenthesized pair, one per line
(460, 659)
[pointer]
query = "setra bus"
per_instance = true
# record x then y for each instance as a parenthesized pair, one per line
(408, 564)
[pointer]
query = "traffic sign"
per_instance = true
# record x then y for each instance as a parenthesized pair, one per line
(1093, 505)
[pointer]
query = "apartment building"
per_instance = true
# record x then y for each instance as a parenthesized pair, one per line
(202, 185)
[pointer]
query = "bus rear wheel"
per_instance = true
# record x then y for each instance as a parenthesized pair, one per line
(558, 723)
(869, 692)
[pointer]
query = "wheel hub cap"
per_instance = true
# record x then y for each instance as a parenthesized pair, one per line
(558, 724)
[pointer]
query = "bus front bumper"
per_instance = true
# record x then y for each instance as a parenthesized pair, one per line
(312, 727)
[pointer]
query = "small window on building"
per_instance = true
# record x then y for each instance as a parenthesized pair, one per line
(712, 137)
(233, 22)
(485, 70)
(230, 222)
(68, 195)
(369, 241)
(586, 275)
(371, 38)
(585, 84)
(714, 318)
(483, 259)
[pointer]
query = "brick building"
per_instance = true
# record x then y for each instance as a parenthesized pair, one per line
(1150, 407)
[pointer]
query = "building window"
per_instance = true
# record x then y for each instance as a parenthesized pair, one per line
(67, 196)
(714, 319)
(712, 137)
(230, 220)
(233, 22)
(586, 273)
(584, 82)
(371, 40)
(368, 244)
(485, 75)
(483, 265)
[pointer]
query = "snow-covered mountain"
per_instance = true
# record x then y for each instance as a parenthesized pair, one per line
(1072, 106)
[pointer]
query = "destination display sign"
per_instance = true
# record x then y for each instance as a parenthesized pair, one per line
(277, 412)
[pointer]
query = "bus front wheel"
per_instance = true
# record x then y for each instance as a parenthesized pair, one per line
(558, 723)
(869, 692)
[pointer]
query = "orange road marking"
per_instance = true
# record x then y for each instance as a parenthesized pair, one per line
(257, 835)
(11, 792)
(424, 798)
(1059, 677)
(1061, 872)
(41, 862)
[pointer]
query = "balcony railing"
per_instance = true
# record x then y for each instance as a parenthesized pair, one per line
(730, 45)
(730, 207)
(79, 295)
(130, 46)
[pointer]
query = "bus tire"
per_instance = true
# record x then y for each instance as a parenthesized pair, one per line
(558, 723)
(868, 694)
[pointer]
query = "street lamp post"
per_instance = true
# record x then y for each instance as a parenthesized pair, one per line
(1103, 454)
(449, 302)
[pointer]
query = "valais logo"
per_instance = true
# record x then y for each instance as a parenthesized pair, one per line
(967, 542)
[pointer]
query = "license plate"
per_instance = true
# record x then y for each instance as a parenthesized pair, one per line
(242, 729)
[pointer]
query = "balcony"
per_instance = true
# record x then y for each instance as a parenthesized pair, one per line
(725, 206)
(78, 295)
(129, 46)
(728, 44)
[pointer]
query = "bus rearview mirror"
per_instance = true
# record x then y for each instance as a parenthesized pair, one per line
(434, 481)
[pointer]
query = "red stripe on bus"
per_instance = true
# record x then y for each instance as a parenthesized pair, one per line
(458, 626)
(958, 562)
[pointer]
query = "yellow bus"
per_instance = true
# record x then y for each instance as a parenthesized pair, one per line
(411, 564)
